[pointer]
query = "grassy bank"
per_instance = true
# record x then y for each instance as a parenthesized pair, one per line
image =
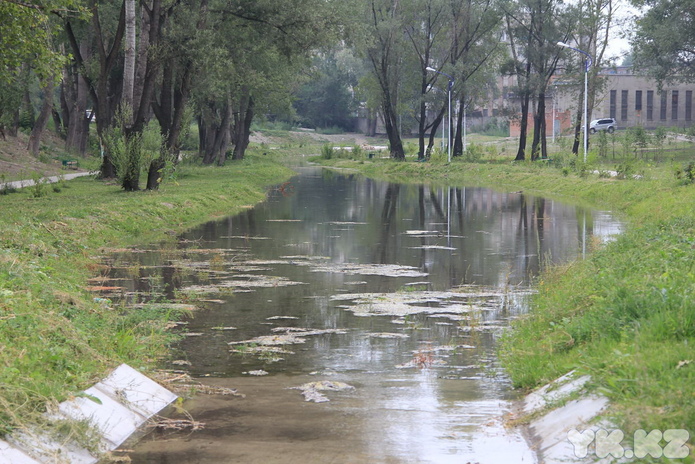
(625, 315)
(55, 340)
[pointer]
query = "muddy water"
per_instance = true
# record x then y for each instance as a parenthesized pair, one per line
(383, 301)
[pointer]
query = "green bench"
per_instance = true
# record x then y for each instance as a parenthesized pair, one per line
(70, 164)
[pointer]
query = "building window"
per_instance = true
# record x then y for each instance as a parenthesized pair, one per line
(650, 105)
(638, 100)
(662, 114)
(623, 105)
(613, 102)
(674, 105)
(688, 105)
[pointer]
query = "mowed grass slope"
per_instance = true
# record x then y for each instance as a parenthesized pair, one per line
(55, 340)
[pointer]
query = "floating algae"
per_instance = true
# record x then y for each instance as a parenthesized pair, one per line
(451, 304)
(312, 390)
(387, 335)
(292, 336)
(386, 270)
(244, 282)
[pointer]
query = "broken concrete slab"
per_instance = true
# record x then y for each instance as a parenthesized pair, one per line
(116, 407)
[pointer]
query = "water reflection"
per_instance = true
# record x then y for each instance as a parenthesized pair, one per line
(445, 267)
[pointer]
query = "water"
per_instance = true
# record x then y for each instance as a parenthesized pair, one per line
(399, 292)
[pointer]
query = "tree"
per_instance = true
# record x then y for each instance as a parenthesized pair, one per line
(664, 40)
(539, 24)
(383, 46)
(325, 100)
(474, 45)
(98, 76)
(593, 33)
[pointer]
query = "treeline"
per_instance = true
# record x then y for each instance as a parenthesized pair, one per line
(124, 64)
(415, 64)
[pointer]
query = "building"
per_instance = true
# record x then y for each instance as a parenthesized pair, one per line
(633, 100)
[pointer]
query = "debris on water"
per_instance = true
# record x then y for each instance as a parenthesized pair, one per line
(386, 270)
(243, 282)
(291, 336)
(432, 247)
(223, 328)
(450, 304)
(258, 372)
(422, 232)
(260, 350)
(312, 390)
(283, 220)
(421, 362)
(181, 362)
(275, 318)
(346, 223)
(164, 423)
(387, 335)
(192, 334)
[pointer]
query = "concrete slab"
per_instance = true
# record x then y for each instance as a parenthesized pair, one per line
(140, 393)
(550, 432)
(11, 455)
(47, 450)
(112, 419)
(553, 427)
(116, 407)
(554, 391)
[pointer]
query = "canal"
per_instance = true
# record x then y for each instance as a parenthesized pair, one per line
(356, 319)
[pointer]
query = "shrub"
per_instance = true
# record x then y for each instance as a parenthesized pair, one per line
(327, 151)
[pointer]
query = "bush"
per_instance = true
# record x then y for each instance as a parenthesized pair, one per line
(327, 151)
(474, 152)
(686, 173)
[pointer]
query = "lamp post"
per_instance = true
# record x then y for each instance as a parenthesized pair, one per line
(587, 63)
(451, 84)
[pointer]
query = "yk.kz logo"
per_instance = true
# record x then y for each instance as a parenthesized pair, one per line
(670, 444)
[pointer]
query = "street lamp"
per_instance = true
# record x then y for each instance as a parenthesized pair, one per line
(451, 84)
(587, 63)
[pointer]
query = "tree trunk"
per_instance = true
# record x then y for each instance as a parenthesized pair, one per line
(242, 132)
(129, 61)
(458, 136)
(523, 127)
(44, 115)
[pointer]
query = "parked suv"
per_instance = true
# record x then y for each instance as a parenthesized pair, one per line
(607, 124)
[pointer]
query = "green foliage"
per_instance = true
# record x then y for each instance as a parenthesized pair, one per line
(39, 187)
(474, 152)
(686, 173)
(495, 127)
(327, 151)
(131, 153)
(325, 101)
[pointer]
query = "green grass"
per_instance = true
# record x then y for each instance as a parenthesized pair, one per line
(625, 315)
(55, 340)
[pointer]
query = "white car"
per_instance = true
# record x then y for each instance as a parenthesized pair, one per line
(607, 124)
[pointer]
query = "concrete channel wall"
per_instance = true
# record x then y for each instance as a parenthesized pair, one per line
(563, 424)
(115, 407)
